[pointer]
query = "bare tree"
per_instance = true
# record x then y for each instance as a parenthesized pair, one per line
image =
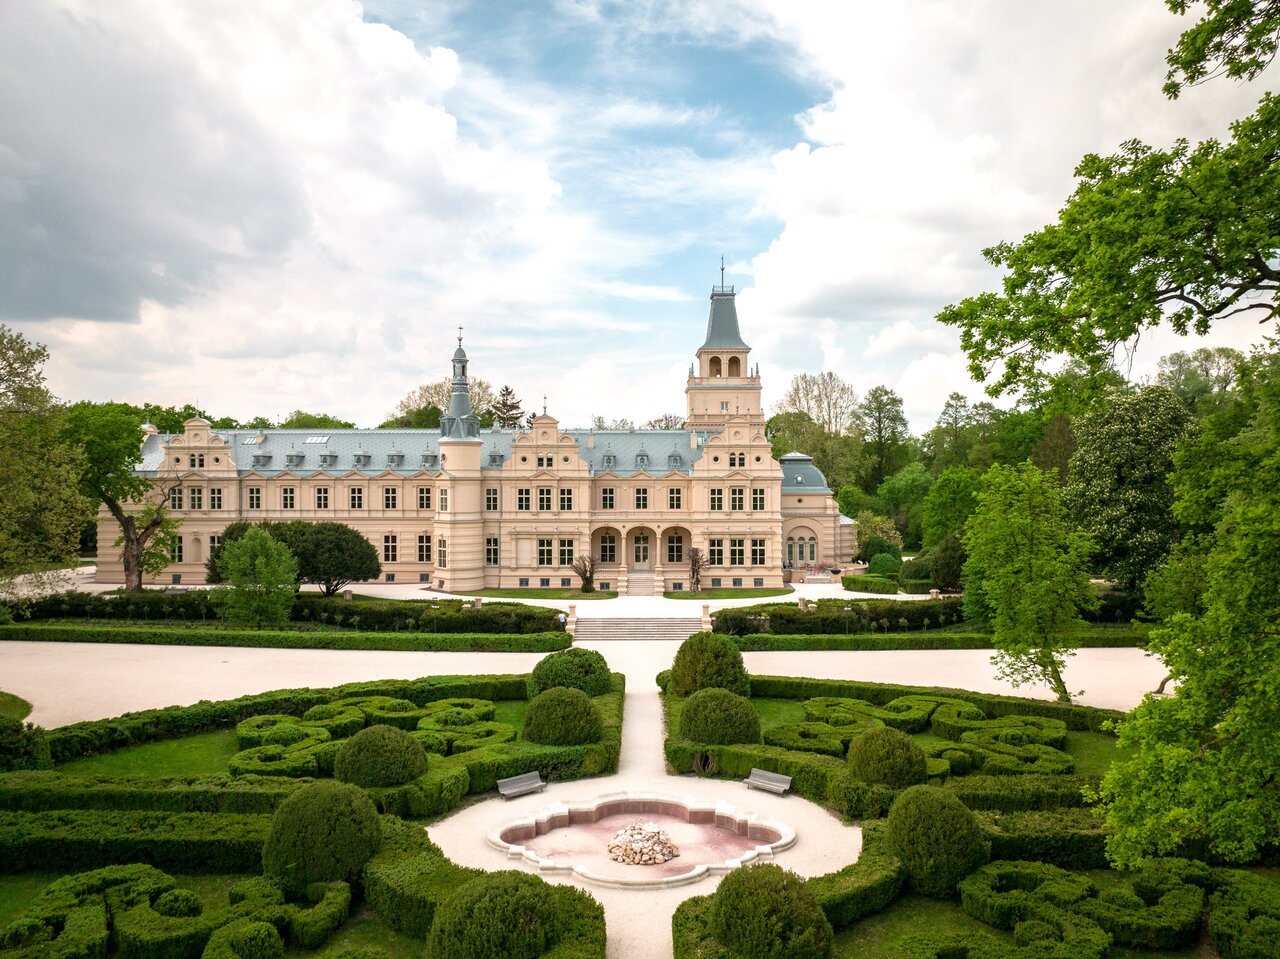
(697, 563)
(437, 395)
(667, 421)
(828, 400)
(585, 567)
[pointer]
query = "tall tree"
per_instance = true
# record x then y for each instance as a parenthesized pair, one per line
(1025, 575)
(904, 493)
(169, 419)
(1202, 766)
(1202, 378)
(840, 458)
(827, 399)
(437, 394)
(109, 434)
(1188, 234)
(41, 509)
(302, 420)
(329, 555)
(1119, 489)
(263, 576)
(947, 444)
(507, 410)
(886, 432)
(1234, 38)
(950, 502)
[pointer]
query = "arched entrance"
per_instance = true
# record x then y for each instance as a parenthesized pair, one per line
(642, 545)
(607, 546)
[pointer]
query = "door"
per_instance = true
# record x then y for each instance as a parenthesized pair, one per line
(641, 551)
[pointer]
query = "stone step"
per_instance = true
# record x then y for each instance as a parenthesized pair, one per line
(601, 629)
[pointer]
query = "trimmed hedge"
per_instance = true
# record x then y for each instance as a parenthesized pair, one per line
(1244, 917)
(506, 913)
(707, 660)
(718, 717)
(563, 716)
(887, 757)
(281, 639)
(82, 839)
(881, 565)
(1114, 638)
(1071, 838)
(829, 618)
(871, 583)
(39, 791)
(380, 756)
(767, 912)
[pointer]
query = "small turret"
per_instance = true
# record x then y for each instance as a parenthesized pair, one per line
(459, 421)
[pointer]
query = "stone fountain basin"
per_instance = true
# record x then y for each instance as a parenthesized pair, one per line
(714, 838)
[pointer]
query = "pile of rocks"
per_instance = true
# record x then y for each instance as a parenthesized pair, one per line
(642, 844)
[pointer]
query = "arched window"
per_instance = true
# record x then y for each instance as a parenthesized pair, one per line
(715, 366)
(735, 366)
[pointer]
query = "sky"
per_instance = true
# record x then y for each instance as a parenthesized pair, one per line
(261, 207)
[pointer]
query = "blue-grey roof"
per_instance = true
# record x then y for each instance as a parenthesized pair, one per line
(722, 324)
(405, 451)
(799, 475)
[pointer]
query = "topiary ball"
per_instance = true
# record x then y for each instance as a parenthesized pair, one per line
(707, 660)
(718, 717)
(286, 734)
(887, 756)
(509, 914)
(583, 669)
(380, 756)
(937, 837)
(324, 832)
(563, 717)
(767, 912)
(178, 904)
(884, 564)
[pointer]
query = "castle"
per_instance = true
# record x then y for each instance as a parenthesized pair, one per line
(463, 508)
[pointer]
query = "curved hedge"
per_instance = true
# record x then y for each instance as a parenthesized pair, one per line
(574, 668)
(707, 660)
(510, 914)
(720, 718)
(380, 756)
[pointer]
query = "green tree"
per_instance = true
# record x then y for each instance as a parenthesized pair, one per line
(1119, 489)
(947, 444)
(423, 418)
(904, 494)
(870, 526)
(950, 502)
(437, 394)
(852, 501)
(1202, 770)
(1025, 575)
(41, 508)
(1203, 378)
(329, 555)
(169, 419)
(108, 434)
(302, 420)
(1189, 234)
(263, 577)
(886, 433)
(507, 411)
(839, 456)
(1234, 38)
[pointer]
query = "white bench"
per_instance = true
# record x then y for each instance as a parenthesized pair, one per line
(514, 786)
(760, 779)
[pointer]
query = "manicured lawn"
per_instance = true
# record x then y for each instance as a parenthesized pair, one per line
(12, 707)
(204, 754)
(537, 593)
(17, 892)
(1093, 752)
(511, 712)
(727, 593)
(363, 929)
(778, 712)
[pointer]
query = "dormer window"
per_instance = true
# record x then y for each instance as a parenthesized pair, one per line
(675, 461)
(609, 461)
(362, 459)
(262, 459)
(799, 480)
(642, 460)
(395, 458)
(495, 459)
(545, 461)
(328, 459)
(295, 459)
(431, 460)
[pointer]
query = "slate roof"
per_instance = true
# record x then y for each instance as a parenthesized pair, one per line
(799, 475)
(722, 323)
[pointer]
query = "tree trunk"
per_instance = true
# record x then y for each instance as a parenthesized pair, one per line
(130, 555)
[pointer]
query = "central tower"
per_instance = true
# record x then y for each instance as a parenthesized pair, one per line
(721, 383)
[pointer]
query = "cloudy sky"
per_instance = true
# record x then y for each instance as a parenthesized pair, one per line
(269, 206)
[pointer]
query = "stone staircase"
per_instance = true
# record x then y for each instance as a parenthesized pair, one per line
(602, 629)
(640, 584)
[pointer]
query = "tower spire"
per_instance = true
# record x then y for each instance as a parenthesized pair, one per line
(722, 271)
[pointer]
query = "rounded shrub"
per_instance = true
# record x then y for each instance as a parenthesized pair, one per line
(767, 912)
(380, 756)
(884, 564)
(573, 668)
(937, 837)
(563, 717)
(875, 545)
(887, 756)
(718, 717)
(510, 914)
(324, 832)
(707, 660)
(285, 734)
(916, 569)
(179, 904)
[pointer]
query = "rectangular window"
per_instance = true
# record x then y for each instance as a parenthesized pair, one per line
(286, 497)
(175, 498)
(175, 551)
(491, 499)
(491, 551)
(544, 582)
(357, 497)
(424, 547)
(442, 554)
(675, 548)
(197, 498)
(544, 552)
(566, 500)
(757, 552)
(566, 583)
(736, 497)
(715, 552)
(642, 497)
(424, 497)
(674, 498)
(444, 501)
(322, 497)
(757, 499)
(608, 549)
(523, 582)
(544, 497)
(717, 499)
(255, 497)
(522, 499)
(737, 555)
(606, 497)
(566, 552)
(215, 542)
(215, 497)
(390, 549)
(388, 497)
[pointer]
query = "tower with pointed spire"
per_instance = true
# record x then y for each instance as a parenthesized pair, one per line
(721, 383)
(459, 421)
(459, 510)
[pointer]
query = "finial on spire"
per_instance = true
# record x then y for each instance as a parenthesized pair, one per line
(722, 271)
(459, 334)
(544, 404)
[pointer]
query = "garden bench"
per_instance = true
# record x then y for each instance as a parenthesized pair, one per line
(514, 786)
(759, 779)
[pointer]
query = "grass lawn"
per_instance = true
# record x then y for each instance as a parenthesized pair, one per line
(17, 891)
(727, 593)
(778, 712)
(201, 755)
(12, 707)
(531, 592)
(511, 712)
(1093, 752)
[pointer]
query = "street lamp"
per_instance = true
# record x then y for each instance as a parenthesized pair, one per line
(847, 610)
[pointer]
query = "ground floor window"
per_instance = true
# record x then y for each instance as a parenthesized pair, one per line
(757, 552)
(424, 548)
(442, 554)
(608, 548)
(544, 552)
(390, 549)
(491, 551)
(737, 552)
(675, 548)
(175, 551)
(715, 552)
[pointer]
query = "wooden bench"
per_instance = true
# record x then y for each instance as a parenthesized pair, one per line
(514, 786)
(759, 779)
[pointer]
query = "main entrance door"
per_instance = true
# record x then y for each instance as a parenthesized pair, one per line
(640, 551)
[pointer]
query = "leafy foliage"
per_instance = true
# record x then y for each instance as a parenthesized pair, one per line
(768, 912)
(323, 832)
(563, 717)
(937, 838)
(888, 757)
(379, 756)
(1233, 38)
(884, 564)
(705, 660)
(718, 717)
(263, 575)
(886, 432)
(876, 545)
(583, 669)
(508, 913)
(1025, 574)
(949, 504)
(329, 555)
